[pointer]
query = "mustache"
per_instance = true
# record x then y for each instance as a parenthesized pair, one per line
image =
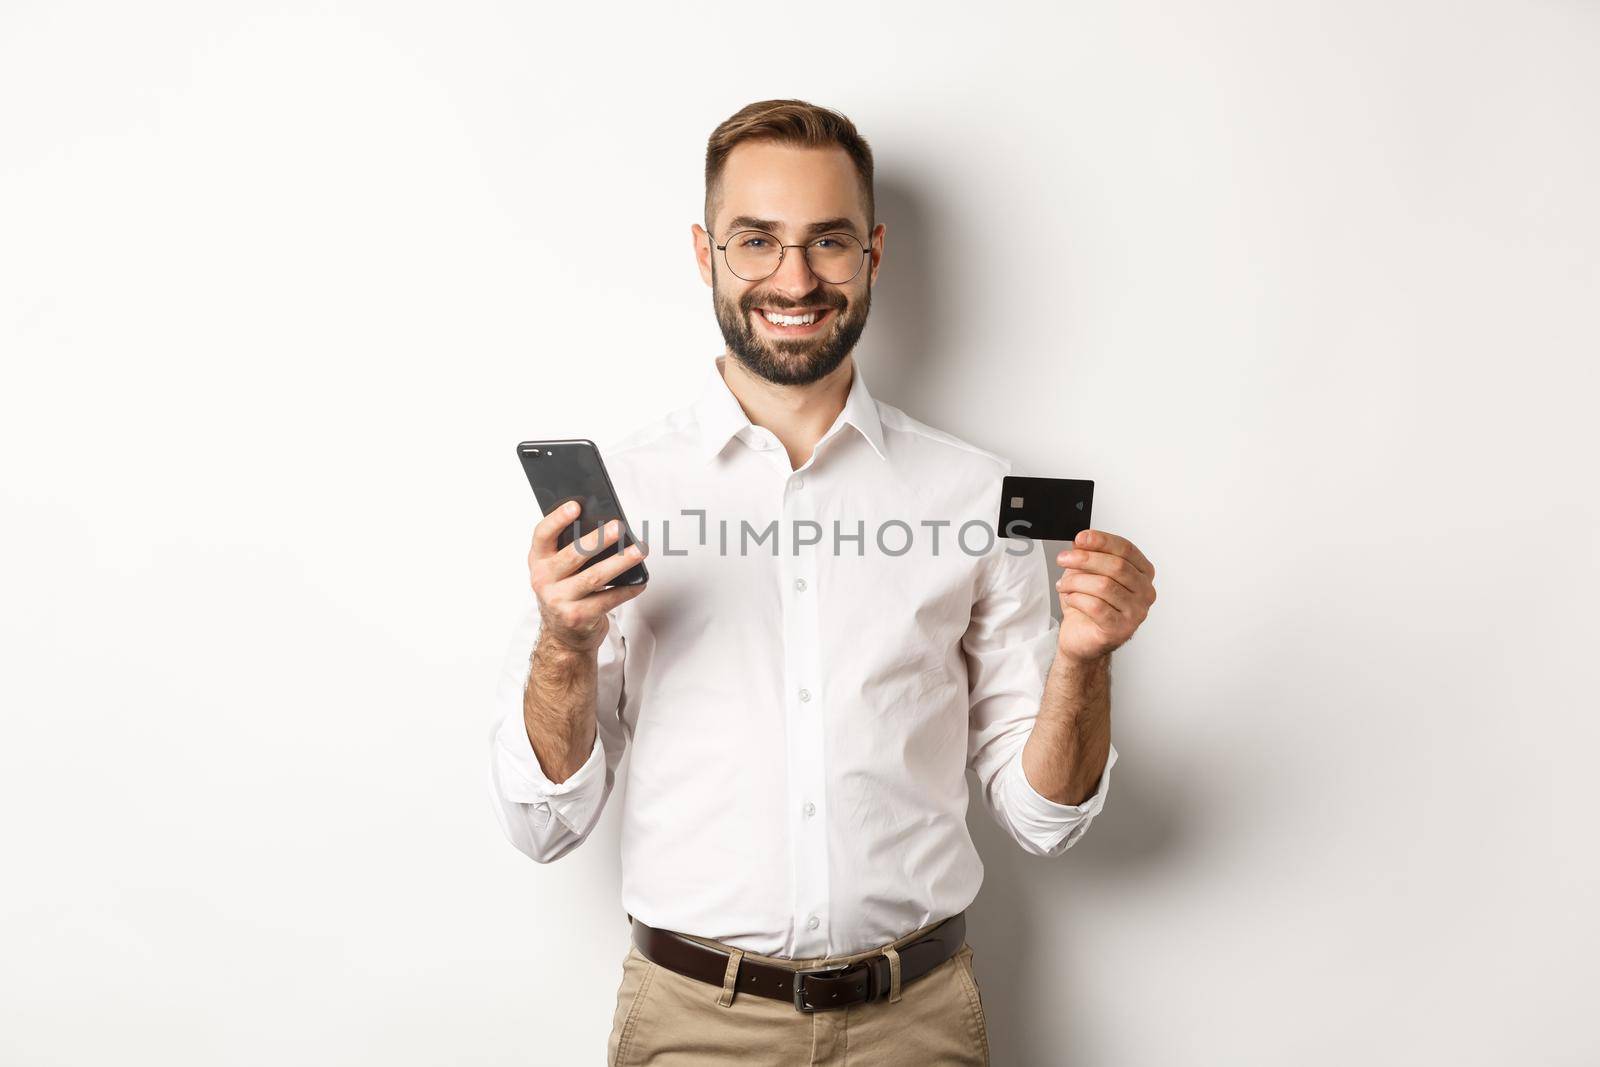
(836, 303)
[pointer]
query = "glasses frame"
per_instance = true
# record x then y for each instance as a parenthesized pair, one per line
(866, 250)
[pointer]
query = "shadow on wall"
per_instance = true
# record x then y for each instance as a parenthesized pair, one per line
(910, 313)
(1145, 820)
(1020, 968)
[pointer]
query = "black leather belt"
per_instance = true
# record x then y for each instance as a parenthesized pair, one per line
(807, 988)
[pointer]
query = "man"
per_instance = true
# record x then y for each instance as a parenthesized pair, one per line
(824, 647)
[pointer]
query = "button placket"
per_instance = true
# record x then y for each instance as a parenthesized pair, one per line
(806, 722)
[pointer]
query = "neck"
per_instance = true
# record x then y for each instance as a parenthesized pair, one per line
(798, 415)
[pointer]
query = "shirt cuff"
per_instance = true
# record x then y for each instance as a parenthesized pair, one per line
(1055, 826)
(573, 801)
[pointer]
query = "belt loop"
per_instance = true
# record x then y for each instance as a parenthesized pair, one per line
(730, 978)
(894, 972)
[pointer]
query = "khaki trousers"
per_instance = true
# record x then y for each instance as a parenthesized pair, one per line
(665, 1019)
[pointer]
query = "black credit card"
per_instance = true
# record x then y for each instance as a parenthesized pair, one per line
(1045, 509)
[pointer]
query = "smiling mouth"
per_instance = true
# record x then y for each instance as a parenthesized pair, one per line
(794, 323)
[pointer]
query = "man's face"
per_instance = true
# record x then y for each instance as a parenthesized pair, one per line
(784, 190)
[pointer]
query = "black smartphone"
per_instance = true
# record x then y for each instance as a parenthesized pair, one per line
(560, 471)
(1045, 509)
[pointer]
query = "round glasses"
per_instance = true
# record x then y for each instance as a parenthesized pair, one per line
(753, 255)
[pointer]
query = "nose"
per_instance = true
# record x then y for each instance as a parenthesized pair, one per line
(793, 278)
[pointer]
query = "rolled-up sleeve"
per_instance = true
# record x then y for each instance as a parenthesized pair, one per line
(545, 820)
(1009, 646)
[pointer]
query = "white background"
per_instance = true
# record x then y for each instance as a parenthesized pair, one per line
(1310, 291)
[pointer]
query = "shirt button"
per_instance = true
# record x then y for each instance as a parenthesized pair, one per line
(813, 922)
(805, 694)
(810, 809)
(800, 584)
(799, 483)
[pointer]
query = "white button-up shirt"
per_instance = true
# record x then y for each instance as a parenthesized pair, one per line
(820, 655)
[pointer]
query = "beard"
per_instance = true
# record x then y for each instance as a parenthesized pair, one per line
(790, 361)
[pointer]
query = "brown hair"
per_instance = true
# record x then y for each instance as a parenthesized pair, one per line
(792, 122)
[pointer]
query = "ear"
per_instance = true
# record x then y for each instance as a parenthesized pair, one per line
(878, 232)
(702, 250)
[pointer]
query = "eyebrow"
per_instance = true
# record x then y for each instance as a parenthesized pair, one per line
(750, 222)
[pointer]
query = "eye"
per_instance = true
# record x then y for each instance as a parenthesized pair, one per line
(825, 242)
(753, 242)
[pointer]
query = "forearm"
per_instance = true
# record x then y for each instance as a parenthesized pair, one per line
(1071, 739)
(558, 707)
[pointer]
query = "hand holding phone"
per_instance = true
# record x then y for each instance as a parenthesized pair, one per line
(578, 575)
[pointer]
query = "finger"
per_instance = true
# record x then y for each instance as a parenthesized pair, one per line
(1098, 587)
(1115, 567)
(586, 587)
(549, 528)
(607, 599)
(1103, 541)
(582, 549)
(1100, 613)
(587, 582)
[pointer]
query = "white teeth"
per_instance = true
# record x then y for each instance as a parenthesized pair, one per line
(791, 320)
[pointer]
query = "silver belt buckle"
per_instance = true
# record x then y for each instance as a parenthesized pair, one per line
(825, 972)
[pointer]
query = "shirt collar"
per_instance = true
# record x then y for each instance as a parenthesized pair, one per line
(721, 417)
